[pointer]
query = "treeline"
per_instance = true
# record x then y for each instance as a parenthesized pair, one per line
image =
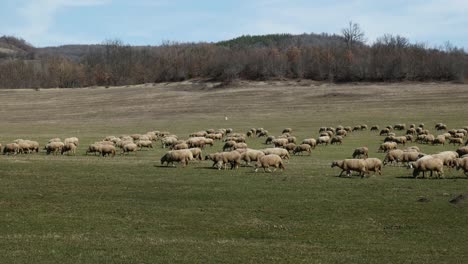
(318, 57)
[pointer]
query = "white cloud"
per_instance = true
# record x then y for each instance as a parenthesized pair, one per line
(38, 16)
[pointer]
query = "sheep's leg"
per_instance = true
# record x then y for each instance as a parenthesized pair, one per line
(341, 173)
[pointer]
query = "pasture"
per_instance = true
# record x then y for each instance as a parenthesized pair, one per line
(129, 209)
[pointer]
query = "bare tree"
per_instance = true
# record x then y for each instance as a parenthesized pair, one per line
(353, 34)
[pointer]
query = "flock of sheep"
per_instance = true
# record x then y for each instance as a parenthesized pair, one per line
(235, 150)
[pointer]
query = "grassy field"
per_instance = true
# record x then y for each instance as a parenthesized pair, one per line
(89, 209)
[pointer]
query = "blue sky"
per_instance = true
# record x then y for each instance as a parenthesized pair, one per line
(149, 22)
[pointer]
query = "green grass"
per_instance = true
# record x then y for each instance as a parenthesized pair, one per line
(89, 209)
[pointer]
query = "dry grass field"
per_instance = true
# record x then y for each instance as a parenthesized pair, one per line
(129, 209)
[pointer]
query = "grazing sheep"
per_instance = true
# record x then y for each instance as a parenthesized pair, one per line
(130, 147)
(348, 165)
(347, 128)
(11, 148)
(341, 133)
(323, 140)
(361, 152)
(440, 126)
(284, 154)
(180, 146)
(108, 150)
(373, 164)
(279, 142)
(144, 144)
(387, 146)
(290, 147)
(263, 133)
(374, 128)
(94, 148)
(267, 161)
(168, 141)
(311, 141)
(412, 148)
(287, 130)
(411, 131)
(251, 155)
(216, 158)
(394, 155)
(409, 156)
(196, 142)
(69, 148)
(183, 156)
(196, 153)
(337, 140)
(448, 157)
(229, 145)
(399, 127)
(302, 148)
(427, 164)
(54, 140)
(54, 147)
(462, 163)
(269, 140)
(73, 140)
(239, 146)
(440, 139)
(232, 157)
(384, 132)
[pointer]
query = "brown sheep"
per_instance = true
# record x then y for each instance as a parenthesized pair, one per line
(267, 161)
(290, 147)
(348, 165)
(454, 141)
(337, 140)
(302, 148)
(373, 164)
(361, 152)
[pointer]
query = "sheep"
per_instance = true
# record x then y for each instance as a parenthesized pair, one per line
(337, 140)
(183, 156)
(198, 134)
(69, 148)
(168, 141)
(11, 148)
(1, 148)
(361, 152)
(54, 140)
(302, 148)
(399, 126)
(251, 155)
(284, 154)
(196, 153)
(216, 158)
(290, 147)
(94, 148)
(347, 129)
(412, 148)
(73, 140)
(357, 128)
(462, 151)
(374, 128)
(411, 131)
(24, 146)
(263, 133)
(409, 156)
(323, 140)
(54, 147)
(348, 165)
(180, 146)
(144, 144)
(196, 142)
(269, 140)
(130, 147)
(107, 150)
(384, 132)
(287, 130)
(239, 146)
(462, 163)
(292, 139)
(341, 133)
(387, 146)
(279, 142)
(394, 155)
(311, 141)
(267, 161)
(427, 164)
(440, 126)
(229, 145)
(440, 139)
(447, 157)
(373, 164)
(232, 157)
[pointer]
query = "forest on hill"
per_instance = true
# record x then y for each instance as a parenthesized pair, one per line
(322, 57)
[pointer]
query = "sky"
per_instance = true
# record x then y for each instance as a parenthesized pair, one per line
(151, 22)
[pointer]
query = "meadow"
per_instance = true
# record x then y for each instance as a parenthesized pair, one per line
(130, 209)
